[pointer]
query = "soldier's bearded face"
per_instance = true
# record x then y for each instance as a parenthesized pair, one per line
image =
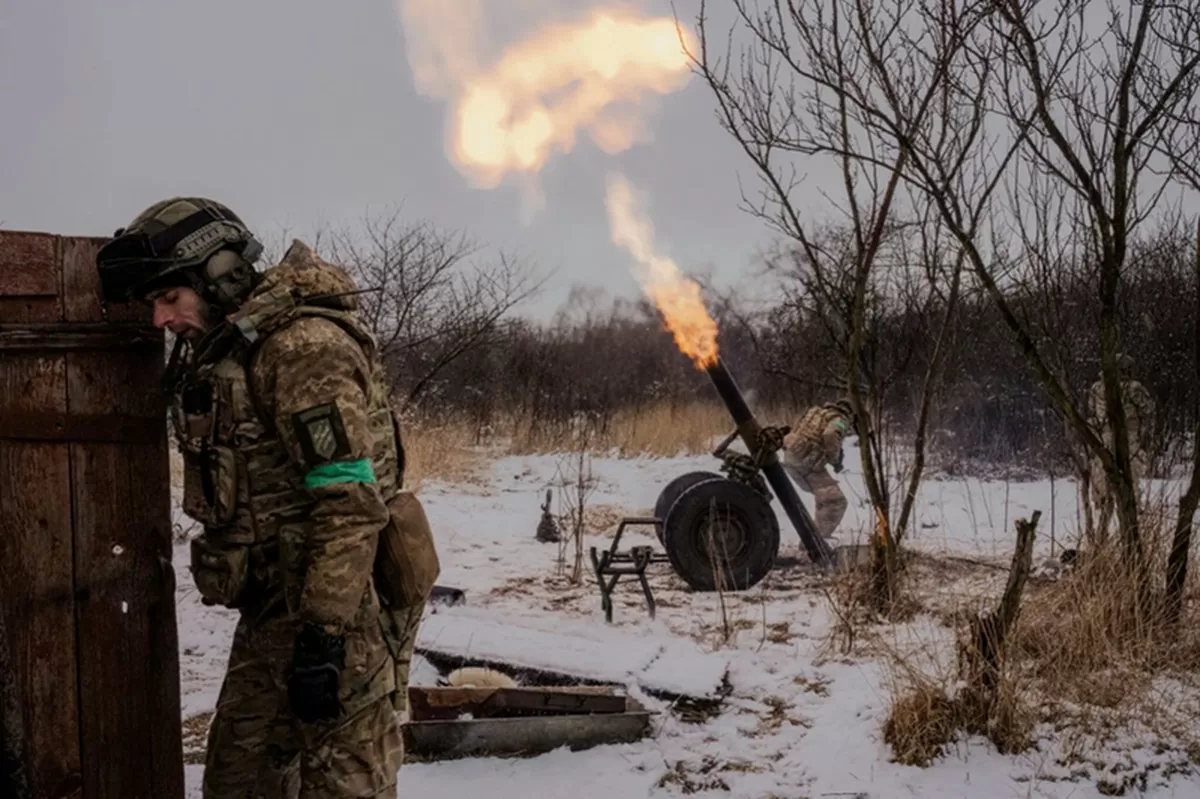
(181, 310)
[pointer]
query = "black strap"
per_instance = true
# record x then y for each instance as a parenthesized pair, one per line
(163, 242)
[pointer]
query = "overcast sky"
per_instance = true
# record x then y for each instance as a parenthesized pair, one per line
(299, 112)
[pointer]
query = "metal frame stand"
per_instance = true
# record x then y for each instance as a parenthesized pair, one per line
(613, 563)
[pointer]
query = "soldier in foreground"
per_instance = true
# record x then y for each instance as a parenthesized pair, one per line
(817, 441)
(294, 464)
(1139, 413)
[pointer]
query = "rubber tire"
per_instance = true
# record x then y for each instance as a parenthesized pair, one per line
(671, 493)
(687, 520)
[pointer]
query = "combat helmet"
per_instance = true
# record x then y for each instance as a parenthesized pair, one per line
(843, 407)
(173, 243)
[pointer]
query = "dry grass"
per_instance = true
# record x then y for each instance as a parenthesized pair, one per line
(666, 429)
(439, 451)
(922, 721)
(932, 707)
(1086, 639)
(1083, 659)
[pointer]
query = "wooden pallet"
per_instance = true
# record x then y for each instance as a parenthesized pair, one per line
(451, 723)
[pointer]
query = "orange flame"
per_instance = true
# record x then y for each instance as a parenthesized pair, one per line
(512, 116)
(531, 102)
(677, 297)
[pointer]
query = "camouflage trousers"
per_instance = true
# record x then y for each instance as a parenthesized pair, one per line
(400, 626)
(1102, 498)
(831, 502)
(258, 750)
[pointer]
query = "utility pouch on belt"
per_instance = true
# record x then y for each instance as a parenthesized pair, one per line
(221, 571)
(406, 561)
(210, 485)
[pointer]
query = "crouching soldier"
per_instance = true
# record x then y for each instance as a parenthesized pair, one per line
(815, 442)
(293, 464)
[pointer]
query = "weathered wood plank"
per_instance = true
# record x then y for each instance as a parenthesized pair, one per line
(113, 429)
(28, 264)
(36, 581)
(673, 668)
(437, 702)
(450, 740)
(14, 776)
(129, 676)
(33, 309)
(81, 286)
(78, 337)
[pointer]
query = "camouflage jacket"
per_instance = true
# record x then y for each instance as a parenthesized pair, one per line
(1139, 412)
(291, 449)
(816, 439)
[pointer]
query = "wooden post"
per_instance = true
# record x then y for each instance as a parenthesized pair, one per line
(983, 650)
(87, 588)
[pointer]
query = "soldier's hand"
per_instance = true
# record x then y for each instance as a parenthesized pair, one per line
(838, 462)
(317, 664)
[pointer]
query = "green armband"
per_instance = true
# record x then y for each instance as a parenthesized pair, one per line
(360, 471)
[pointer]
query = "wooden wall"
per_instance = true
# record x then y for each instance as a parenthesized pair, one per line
(86, 582)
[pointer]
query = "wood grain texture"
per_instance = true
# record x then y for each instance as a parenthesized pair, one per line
(37, 592)
(128, 655)
(87, 585)
(29, 264)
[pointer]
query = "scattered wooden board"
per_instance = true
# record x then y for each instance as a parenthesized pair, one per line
(429, 703)
(670, 667)
(499, 737)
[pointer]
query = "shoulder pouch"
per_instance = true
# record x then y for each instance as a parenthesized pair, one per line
(406, 560)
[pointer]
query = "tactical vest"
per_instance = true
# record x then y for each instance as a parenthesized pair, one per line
(1138, 405)
(805, 444)
(239, 481)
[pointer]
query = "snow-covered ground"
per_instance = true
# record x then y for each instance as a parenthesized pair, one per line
(800, 720)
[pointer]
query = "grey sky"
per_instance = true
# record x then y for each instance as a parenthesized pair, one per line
(299, 112)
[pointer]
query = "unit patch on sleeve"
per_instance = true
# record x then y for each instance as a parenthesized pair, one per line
(321, 434)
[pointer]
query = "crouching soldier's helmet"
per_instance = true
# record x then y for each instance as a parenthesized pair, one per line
(183, 241)
(844, 407)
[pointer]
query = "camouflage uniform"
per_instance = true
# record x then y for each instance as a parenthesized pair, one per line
(815, 441)
(291, 456)
(1139, 411)
(294, 465)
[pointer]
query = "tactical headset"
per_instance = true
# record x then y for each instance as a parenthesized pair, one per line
(210, 251)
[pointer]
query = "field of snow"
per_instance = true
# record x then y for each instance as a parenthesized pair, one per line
(800, 720)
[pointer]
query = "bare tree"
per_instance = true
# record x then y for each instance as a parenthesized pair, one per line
(1099, 102)
(806, 85)
(917, 276)
(435, 301)
(1181, 541)
(1101, 94)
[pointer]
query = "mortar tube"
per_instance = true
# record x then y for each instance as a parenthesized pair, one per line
(749, 429)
